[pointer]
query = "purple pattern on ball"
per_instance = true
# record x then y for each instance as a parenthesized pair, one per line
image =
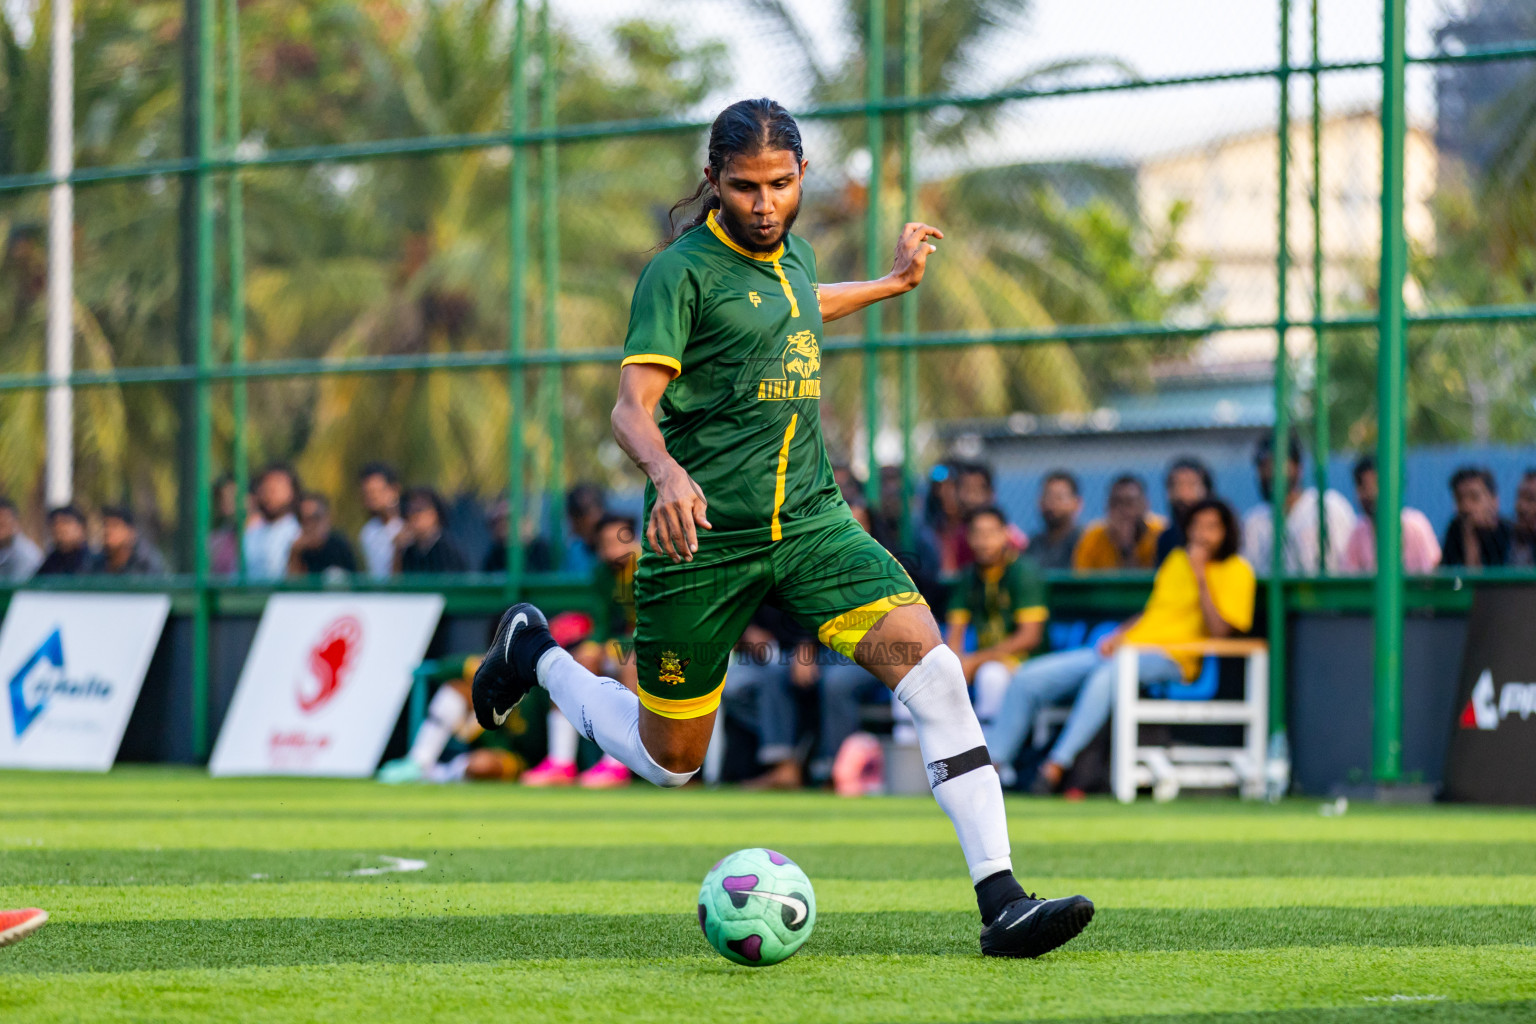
(776, 857)
(701, 920)
(718, 863)
(750, 947)
(739, 883)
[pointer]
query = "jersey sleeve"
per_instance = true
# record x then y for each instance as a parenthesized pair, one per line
(1028, 593)
(662, 315)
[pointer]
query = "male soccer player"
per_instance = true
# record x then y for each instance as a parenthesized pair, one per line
(741, 508)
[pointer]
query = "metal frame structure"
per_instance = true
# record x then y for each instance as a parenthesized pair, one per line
(201, 594)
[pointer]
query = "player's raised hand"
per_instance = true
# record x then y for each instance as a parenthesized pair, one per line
(677, 515)
(912, 251)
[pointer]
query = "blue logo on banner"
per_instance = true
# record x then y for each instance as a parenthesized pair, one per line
(49, 652)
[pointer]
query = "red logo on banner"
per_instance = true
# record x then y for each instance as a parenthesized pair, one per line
(329, 661)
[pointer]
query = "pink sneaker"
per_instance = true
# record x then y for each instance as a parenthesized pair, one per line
(550, 772)
(606, 774)
(16, 925)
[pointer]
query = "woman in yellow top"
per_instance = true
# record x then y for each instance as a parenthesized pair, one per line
(1204, 589)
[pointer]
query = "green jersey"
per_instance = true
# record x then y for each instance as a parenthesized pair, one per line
(741, 332)
(997, 599)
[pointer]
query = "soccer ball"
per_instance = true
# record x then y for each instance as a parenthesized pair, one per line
(756, 907)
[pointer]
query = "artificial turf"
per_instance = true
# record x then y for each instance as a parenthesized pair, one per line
(175, 897)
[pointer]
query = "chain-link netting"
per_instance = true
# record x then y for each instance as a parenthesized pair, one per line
(1105, 300)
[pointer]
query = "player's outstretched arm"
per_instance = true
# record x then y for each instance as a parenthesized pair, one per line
(680, 506)
(912, 251)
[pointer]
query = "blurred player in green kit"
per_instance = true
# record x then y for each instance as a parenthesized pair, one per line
(741, 508)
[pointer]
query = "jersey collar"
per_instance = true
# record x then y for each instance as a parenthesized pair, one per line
(720, 233)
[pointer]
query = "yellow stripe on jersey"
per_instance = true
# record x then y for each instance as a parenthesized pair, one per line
(656, 358)
(794, 307)
(774, 530)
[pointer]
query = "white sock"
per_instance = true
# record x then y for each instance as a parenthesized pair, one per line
(964, 782)
(562, 738)
(605, 711)
(444, 715)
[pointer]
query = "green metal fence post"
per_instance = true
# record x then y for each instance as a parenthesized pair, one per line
(236, 213)
(1321, 433)
(202, 412)
(1280, 459)
(517, 252)
(549, 220)
(875, 134)
(1387, 720)
(911, 85)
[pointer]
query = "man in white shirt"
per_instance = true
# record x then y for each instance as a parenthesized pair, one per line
(270, 534)
(19, 557)
(1302, 542)
(381, 497)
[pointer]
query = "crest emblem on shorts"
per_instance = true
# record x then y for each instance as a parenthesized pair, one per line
(756, 299)
(801, 366)
(672, 668)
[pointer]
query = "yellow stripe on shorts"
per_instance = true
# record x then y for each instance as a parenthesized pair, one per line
(842, 633)
(693, 707)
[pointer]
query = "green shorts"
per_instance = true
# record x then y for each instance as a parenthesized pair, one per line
(833, 578)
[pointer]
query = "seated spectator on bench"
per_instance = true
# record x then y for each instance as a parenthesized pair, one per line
(70, 554)
(1126, 538)
(1522, 548)
(19, 556)
(1479, 537)
(123, 551)
(1421, 551)
(422, 546)
(1001, 597)
(1203, 590)
(319, 549)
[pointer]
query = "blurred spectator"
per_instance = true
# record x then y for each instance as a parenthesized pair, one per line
(1302, 543)
(495, 560)
(1187, 482)
(1205, 589)
(1060, 505)
(69, 554)
(320, 550)
(223, 544)
(19, 555)
(422, 546)
(942, 519)
(1522, 549)
(123, 551)
(380, 487)
(774, 654)
(270, 533)
(887, 519)
(1421, 551)
(1478, 536)
(585, 506)
(1126, 538)
(1002, 598)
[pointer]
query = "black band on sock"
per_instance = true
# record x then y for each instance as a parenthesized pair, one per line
(995, 892)
(950, 767)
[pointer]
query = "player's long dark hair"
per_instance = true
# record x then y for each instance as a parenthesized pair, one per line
(742, 129)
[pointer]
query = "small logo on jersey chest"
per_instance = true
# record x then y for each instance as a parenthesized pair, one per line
(756, 299)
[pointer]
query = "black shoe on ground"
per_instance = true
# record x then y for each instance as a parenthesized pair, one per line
(1029, 927)
(507, 672)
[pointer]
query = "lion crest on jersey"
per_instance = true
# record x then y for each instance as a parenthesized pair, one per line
(672, 668)
(801, 362)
